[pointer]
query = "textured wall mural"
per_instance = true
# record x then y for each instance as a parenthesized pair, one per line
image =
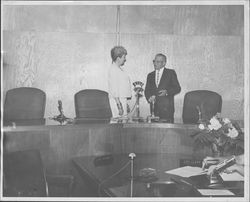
(64, 49)
(25, 59)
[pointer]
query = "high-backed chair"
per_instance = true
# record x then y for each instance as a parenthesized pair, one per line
(207, 102)
(92, 105)
(24, 106)
(24, 176)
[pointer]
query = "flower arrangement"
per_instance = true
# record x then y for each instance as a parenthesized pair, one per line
(222, 135)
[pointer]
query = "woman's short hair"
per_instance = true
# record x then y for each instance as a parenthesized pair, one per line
(118, 51)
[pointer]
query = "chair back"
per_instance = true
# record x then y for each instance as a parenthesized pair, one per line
(24, 106)
(23, 174)
(208, 102)
(92, 105)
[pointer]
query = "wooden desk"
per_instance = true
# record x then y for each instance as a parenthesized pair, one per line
(58, 144)
(98, 177)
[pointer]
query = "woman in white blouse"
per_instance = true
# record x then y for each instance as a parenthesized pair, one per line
(119, 83)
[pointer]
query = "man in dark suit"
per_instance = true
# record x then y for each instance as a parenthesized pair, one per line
(161, 87)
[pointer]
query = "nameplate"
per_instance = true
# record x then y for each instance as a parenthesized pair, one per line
(190, 162)
(103, 160)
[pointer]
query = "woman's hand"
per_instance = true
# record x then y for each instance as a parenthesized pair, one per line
(120, 111)
(128, 108)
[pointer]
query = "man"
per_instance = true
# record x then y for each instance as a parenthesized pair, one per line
(161, 87)
(118, 83)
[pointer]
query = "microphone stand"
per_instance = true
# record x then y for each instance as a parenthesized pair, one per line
(153, 117)
(199, 113)
(137, 117)
(61, 118)
(131, 156)
(153, 109)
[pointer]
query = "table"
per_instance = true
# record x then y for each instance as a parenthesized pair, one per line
(98, 176)
(58, 144)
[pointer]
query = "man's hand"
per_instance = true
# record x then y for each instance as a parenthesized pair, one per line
(152, 99)
(163, 93)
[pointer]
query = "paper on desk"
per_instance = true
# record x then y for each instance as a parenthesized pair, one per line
(232, 176)
(215, 192)
(186, 171)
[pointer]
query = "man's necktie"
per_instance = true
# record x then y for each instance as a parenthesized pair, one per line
(157, 77)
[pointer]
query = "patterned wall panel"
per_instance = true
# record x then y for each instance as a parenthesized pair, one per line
(61, 57)
(25, 59)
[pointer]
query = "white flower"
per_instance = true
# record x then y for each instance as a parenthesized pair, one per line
(233, 133)
(210, 127)
(218, 126)
(226, 120)
(214, 124)
(201, 126)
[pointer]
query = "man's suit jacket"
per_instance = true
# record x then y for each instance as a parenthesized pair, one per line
(164, 105)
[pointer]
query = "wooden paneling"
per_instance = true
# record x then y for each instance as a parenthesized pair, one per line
(23, 140)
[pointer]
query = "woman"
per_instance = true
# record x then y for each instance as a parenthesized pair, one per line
(119, 83)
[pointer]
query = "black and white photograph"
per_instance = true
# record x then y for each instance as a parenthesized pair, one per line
(125, 100)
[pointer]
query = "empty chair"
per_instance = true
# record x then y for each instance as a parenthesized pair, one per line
(24, 106)
(207, 102)
(92, 105)
(24, 176)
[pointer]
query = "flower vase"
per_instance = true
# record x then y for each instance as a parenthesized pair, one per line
(216, 152)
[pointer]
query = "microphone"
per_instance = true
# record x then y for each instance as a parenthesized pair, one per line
(132, 156)
(60, 106)
(198, 109)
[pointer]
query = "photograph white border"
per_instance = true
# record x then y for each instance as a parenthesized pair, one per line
(169, 2)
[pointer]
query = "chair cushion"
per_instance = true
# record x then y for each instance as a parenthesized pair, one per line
(209, 103)
(92, 103)
(24, 104)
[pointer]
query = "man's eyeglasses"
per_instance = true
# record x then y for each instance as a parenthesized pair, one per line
(158, 62)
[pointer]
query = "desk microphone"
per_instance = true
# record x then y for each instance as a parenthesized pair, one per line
(132, 156)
